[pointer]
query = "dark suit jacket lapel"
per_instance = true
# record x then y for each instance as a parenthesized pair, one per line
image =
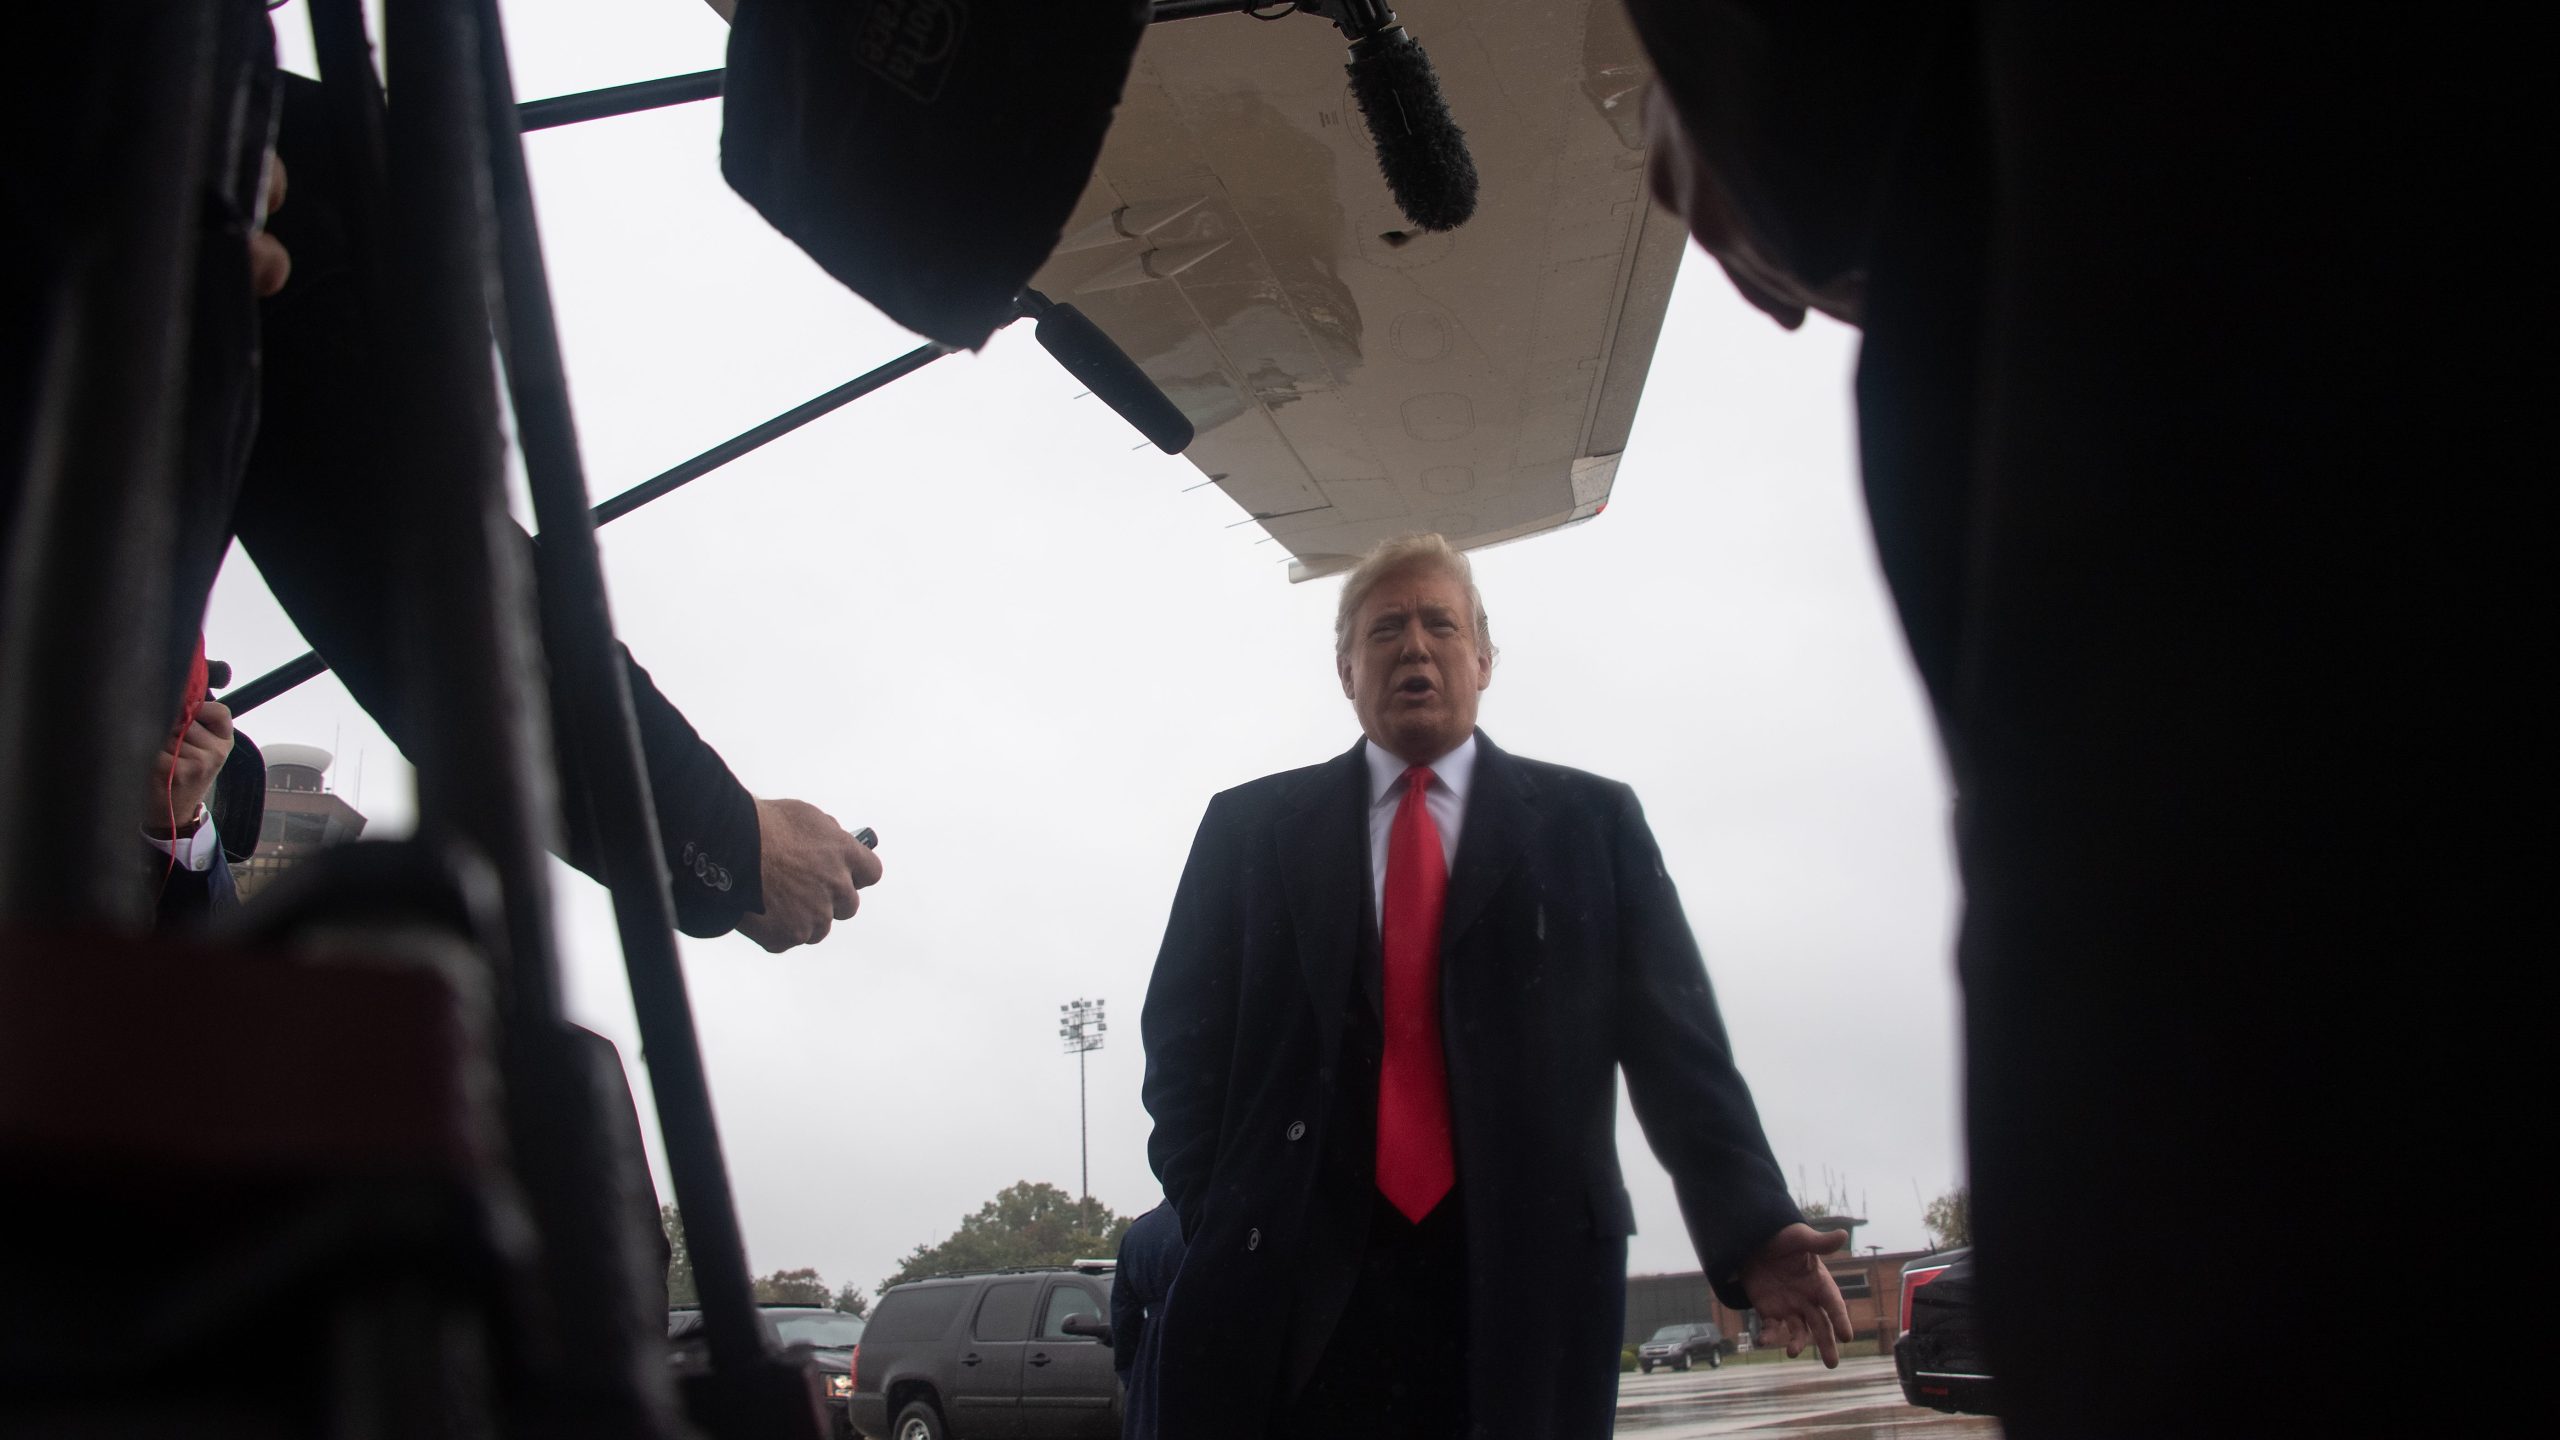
(1500, 814)
(1324, 868)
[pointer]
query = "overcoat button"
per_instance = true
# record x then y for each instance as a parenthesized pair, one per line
(1253, 1239)
(1297, 1129)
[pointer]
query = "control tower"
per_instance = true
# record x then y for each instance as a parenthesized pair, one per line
(303, 815)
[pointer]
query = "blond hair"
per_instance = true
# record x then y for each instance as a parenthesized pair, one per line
(1406, 552)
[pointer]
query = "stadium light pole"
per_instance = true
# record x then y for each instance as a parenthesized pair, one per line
(1080, 1027)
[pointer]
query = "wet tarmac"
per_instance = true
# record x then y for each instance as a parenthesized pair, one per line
(1784, 1400)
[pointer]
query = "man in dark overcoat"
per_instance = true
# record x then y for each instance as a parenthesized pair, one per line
(1383, 1043)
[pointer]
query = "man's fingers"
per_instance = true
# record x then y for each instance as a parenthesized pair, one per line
(214, 716)
(758, 926)
(270, 265)
(847, 900)
(1818, 1332)
(863, 861)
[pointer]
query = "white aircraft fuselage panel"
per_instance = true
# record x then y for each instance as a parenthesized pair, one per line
(1349, 378)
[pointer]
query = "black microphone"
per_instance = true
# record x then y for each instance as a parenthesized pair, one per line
(1421, 151)
(1081, 347)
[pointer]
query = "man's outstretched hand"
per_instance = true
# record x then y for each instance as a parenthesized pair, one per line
(1795, 1294)
(814, 875)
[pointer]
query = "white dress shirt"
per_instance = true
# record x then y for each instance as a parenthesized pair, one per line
(1446, 799)
(195, 852)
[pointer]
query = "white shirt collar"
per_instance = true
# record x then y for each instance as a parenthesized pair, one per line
(1453, 771)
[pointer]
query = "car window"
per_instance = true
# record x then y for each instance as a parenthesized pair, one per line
(821, 1328)
(1065, 1299)
(1668, 1332)
(1005, 1313)
(919, 1314)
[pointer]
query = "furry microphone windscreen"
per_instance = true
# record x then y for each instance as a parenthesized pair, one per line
(1421, 151)
(924, 152)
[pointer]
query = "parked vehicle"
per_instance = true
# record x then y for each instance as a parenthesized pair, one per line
(1939, 1357)
(1679, 1346)
(829, 1335)
(1010, 1353)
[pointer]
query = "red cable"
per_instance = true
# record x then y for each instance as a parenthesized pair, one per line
(177, 748)
(197, 691)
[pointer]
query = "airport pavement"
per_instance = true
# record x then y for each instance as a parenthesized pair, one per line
(1785, 1401)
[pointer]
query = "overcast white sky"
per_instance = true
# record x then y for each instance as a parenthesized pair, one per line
(966, 612)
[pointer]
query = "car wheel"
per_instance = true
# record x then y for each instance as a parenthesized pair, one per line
(920, 1421)
(1682, 1363)
(1715, 1359)
(1647, 1366)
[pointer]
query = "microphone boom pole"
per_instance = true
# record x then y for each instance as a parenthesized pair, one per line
(250, 695)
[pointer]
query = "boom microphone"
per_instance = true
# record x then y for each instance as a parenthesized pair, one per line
(1421, 151)
(1084, 351)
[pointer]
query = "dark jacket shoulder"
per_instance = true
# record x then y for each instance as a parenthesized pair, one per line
(1547, 777)
(1282, 791)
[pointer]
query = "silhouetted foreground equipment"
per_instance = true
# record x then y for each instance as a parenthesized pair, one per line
(253, 693)
(353, 1174)
(350, 1172)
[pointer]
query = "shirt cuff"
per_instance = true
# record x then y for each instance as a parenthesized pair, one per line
(194, 852)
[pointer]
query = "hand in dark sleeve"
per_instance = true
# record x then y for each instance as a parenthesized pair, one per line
(1188, 1025)
(311, 515)
(1695, 1109)
(706, 819)
(814, 875)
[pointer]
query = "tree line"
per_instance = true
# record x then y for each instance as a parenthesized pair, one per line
(1030, 1224)
(1027, 1224)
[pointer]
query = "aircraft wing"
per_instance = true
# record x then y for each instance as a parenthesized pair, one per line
(1348, 379)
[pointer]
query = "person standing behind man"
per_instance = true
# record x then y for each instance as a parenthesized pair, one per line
(1150, 1257)
(1383, 1042)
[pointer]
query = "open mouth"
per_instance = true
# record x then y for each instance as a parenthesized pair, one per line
(1415, 685)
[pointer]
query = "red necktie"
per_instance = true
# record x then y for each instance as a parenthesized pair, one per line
(1416, 1162)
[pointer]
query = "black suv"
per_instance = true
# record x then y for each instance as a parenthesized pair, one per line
(1939, 1357)
(1014, 1353)
(1679, 1346)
